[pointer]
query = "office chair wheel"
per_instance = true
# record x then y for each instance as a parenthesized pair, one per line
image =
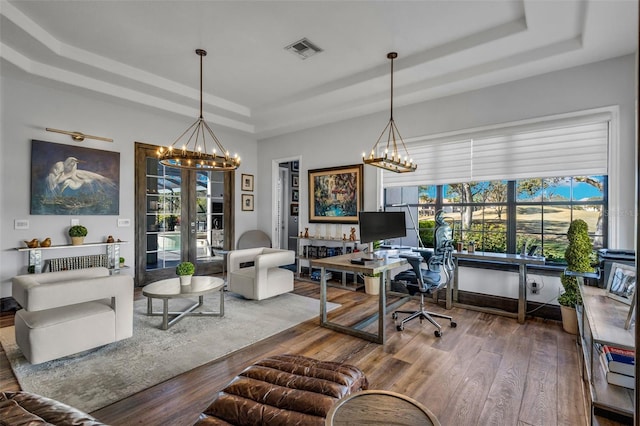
(454, 324)
(437, 333)
(399, 327)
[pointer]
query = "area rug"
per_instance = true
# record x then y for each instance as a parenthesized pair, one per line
(97, 378)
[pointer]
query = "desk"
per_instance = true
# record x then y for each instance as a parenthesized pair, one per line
(521, 261)
(343, 263)
(378, 407)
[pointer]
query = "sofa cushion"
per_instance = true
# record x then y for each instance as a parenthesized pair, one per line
(38, 410)
(12, 414)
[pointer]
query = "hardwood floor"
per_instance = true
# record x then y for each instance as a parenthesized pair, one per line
(490, 370)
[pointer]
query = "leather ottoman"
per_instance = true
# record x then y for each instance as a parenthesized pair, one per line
(284, 390)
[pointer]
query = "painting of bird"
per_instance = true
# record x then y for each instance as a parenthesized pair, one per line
(67, 179)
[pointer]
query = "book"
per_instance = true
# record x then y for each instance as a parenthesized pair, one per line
(619, 367)
(618, 354)
(616, 378)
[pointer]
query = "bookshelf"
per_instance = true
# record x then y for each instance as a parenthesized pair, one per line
(601, 320)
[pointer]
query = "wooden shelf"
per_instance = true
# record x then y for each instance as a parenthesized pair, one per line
(602, 320)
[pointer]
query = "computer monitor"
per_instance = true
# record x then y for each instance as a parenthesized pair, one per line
(376, 226)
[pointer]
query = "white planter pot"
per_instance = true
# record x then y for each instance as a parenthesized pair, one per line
(372, 285)
(77, 241)
(185, 279)
(569, 319)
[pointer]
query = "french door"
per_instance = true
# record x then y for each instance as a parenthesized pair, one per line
(180, 215)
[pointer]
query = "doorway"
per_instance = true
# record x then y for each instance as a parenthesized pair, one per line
(286, 190)
(181, 215)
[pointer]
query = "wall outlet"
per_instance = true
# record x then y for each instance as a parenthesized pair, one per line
(535, 288)
(75, 222)
(123, 223)
(21, 224)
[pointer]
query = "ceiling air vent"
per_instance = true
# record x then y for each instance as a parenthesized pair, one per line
(303, 48)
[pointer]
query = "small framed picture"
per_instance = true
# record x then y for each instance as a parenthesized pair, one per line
(294, 195)
(621, 283)
(247, 183)
(295, 181)
(247, 202)
(295, 166)
(294, 209)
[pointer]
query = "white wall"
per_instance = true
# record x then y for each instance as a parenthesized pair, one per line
(606, 83)
(31, 104)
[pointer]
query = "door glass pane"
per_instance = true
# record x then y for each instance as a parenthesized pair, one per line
(163, 215)
(209, 214)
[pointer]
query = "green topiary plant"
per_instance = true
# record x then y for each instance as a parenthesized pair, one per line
(185, 268)
(578, 256)
(78, 231)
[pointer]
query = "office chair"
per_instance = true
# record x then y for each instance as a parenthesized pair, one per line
(428, 281)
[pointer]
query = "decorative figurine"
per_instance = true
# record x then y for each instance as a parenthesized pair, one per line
(110, 239)
(306, 232)
(352, 236)
(33, 243)
(46, 242)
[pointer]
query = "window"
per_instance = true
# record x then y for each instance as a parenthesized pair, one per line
(502, 215)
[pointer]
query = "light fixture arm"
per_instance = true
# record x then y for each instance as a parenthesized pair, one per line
(413, 222)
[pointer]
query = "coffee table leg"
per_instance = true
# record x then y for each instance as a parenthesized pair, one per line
(222, 301)
(165, 314)
(149, 306)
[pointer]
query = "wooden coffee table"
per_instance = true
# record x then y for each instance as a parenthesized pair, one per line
(378, 407)
(171, 289)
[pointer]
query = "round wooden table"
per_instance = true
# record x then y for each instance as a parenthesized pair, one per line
(172, 289)
(378, 407)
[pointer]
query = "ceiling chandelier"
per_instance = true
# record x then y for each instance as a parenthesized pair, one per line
(390, 159)
(194, 153)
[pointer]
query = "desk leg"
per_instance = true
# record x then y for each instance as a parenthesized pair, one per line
(323, 297)
(452, 288)
(522, 293)
(382, 307)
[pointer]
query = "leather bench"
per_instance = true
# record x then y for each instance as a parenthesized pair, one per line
(283, 390)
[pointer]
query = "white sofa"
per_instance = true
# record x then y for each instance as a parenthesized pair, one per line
(265, 278)
(68, 312)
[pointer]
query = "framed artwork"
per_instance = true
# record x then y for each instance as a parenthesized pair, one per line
(294, 209)
(247, 182)
(335, 194)
(295, 181)
(73, 180)
(295, 166)
(621, 283)
(247, 202)
(295, 195)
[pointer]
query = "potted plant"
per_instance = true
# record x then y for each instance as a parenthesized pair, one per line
(372, 283)
(122, 262)
(578, 256)
(77, 234)
(185, 271)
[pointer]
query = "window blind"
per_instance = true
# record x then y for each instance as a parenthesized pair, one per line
(567, 147)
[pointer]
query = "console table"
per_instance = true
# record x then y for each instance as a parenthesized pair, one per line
(343, 263)
(112, 249)
(521, 261)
